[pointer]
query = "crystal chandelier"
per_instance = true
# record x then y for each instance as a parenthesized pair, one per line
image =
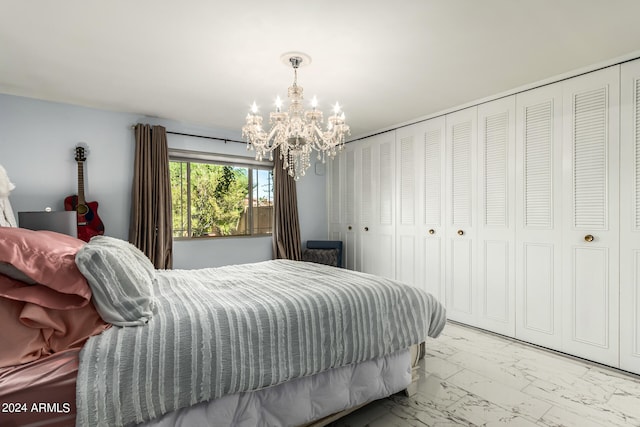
(296, 132)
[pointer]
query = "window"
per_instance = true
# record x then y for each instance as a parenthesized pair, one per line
(215, 195)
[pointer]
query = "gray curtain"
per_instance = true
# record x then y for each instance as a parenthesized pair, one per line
(286, 227)
(151, 225)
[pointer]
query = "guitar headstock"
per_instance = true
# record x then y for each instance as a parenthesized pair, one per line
(81, 154)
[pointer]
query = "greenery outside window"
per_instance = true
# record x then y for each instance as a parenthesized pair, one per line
(216, 196)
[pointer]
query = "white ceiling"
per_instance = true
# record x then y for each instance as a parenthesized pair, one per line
(386, 62)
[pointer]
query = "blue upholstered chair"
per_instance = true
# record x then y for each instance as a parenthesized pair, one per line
(327, 252)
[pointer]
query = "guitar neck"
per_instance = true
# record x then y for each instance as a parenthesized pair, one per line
(81, 200)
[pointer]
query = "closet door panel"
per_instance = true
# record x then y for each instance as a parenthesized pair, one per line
(420, 157)
(591, 313)
(336, 235)
(407, 255)
(351, 247)
(432, 265)
(460, 210)
(496, 211)
(538, 216)
(460, 291)
(335, 193)
(366, 191)
(591, 224)
(630, 218)
(368, 252)
(538, 321)
(495, 293)
(384, 204)
(431, 213)
(384, 256)
(374, 203)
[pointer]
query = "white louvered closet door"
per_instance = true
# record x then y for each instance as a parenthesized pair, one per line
(384, 204)
(335, 200)
(630, 218)
(420, 153)
(431, 212)
(407, 234)
(591, 221)
(366, 192)
(461, 137)
(375, 195)
(349, 203)
(539, 216)
(496, 214)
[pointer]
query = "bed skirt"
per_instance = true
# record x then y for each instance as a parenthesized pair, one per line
(315, 401)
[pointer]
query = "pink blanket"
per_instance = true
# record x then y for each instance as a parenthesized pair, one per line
(39, 267)
(30, 331)
(44, 299)
(42, 391)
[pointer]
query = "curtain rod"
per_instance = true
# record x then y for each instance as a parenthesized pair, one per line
(225, 140)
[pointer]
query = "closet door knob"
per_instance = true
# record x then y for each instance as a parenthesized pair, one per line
(349, 227)
(432, 231)
(460, 232)
(366, 229)
(588, 238)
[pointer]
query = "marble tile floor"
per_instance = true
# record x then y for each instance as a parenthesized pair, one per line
(474, 378)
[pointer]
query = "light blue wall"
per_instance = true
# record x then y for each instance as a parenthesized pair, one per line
(37, 141)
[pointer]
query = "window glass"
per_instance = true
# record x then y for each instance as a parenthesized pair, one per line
(262, 201)
(215, 200)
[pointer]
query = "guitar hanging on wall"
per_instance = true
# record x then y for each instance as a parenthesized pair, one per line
(89, 223)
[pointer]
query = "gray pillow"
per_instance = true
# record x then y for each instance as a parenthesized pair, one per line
(121, 279)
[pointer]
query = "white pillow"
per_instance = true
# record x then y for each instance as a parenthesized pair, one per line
(121, 279)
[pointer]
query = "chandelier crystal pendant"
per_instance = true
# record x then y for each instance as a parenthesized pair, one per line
(296, 132)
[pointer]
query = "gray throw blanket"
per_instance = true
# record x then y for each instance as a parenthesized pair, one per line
(240, 328)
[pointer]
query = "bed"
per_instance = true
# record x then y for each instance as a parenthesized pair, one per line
(272, 343)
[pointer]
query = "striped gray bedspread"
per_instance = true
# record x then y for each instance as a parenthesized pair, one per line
(241, 328)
